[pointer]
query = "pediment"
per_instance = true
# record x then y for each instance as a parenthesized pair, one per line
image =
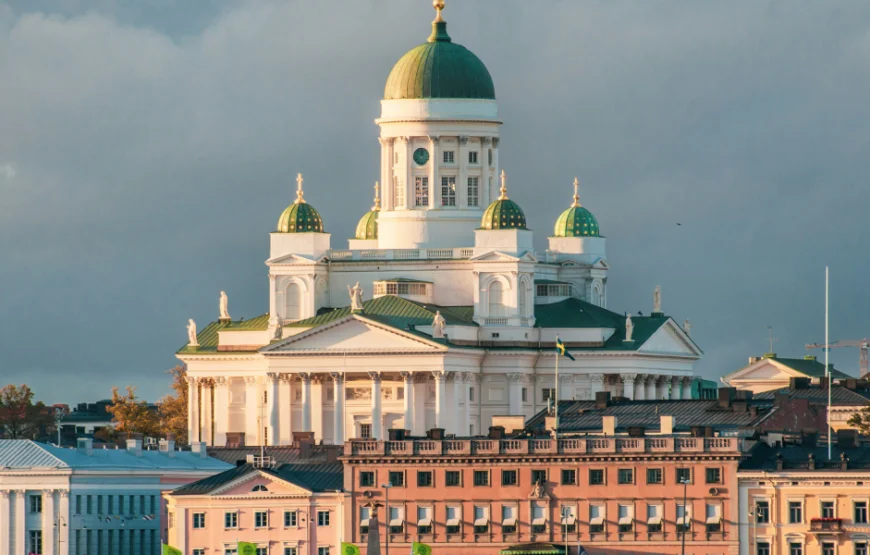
(273, 485)
(354, 333)
(670, 339)
(495, 256)
(291, 259)
(600, 264)
(765, 370)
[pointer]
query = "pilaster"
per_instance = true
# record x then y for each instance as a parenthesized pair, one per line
(221, 411)
(63, 530)
(48, 531)
(274, 408)
(192, 409)
(377, 413)
(253, 434)
(205, 402)
(5, 524)
(285, 400)
(434, 173)
(306, 401)
(338, 404)
(317, 406)
(20, 545)
(515, 399)
(408, 401)
(628, 385)
(440, 398)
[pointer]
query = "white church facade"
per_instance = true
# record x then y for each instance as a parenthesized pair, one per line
(439, 313)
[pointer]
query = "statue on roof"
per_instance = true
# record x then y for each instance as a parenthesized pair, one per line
(629, 328)
(438, 325)
(224, 306)
(191, 334)
(657, 299)
(356, 297)
(687, 327)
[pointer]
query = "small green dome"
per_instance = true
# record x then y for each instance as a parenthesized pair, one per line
(439, 69)
(503, 213)
(300, 217)
(576, 221)
(367, 228)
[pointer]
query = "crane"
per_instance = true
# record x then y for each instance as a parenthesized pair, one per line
(862, 344)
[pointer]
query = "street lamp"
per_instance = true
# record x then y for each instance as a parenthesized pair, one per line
(59, 522)
(387, 487)
(566, 511)
(685, 482)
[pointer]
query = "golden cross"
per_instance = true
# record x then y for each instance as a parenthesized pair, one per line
(299, 181)
(377, 205)
(503, 189)
(576, 192)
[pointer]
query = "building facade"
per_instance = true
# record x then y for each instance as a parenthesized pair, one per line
(56, 501)
(439, 312)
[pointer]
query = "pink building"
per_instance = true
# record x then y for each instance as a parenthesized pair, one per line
(286, 509)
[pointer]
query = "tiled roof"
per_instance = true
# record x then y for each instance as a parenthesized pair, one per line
(282, 455)
(23, 453)
(797, 457)
(202, 487)
(809, 367)
(317, 477)
(840, 396)
(28, 454)
(208, 336)
(394, 311)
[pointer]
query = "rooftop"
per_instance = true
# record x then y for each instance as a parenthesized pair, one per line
(316, 477)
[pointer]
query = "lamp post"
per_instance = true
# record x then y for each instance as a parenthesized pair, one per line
(685, 483)
(59, 522)
(565, 512)
(387, 487)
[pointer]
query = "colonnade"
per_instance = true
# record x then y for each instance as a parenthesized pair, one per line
(13, 506)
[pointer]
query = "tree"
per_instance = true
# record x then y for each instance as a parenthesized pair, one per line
(132, 415)
(20, 417)
(861, 420)
(172, 409)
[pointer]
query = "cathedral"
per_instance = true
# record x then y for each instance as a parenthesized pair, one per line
(438, 313)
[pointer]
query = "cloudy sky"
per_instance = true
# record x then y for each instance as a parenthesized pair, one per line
(147, 149)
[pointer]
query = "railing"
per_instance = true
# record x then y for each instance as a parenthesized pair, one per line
(511, 446)
(400, 254)
(826, 525)
(495, 321)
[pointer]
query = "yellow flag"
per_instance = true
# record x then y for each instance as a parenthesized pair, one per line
(169, 550)
(246, 548)
(349, 549)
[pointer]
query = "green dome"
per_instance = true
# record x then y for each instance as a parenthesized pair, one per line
(576, 221)
(439, 69)
(503, 214)
(367, 228)
(300, 217)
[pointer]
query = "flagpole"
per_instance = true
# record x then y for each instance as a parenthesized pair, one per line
(828, 368)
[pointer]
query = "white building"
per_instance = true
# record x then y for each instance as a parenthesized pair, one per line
(442, 238)
(56, 501)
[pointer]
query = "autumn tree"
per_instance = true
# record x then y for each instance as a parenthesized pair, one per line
(132, 415)
(172, 409)
(20, 417)
(861, 421)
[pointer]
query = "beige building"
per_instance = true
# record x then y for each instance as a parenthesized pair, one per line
(769, 372)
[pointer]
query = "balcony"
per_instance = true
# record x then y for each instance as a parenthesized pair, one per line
(826, 525)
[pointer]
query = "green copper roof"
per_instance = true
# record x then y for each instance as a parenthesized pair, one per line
(300, 217)
(576, 222)
(207, 337)
(439, 69)
(503, 214)
(367, 228)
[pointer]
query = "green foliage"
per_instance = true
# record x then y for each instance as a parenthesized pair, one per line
(861, 421)
(20, 417)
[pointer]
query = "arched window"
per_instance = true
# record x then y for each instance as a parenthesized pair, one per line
(496, 301)
(597, 297)
(322, 299)
(524, 300)
(260, 487)
(293, 302)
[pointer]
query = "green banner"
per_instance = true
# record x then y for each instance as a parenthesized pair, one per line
(246, 548)
(169, 550)
(349, 549)
(420, 549)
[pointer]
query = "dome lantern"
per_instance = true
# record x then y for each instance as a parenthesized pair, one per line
(503, 213)
(300, 217)
(576, 221)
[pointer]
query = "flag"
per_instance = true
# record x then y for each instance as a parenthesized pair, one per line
(561, 348)
(580, 550)
(246, 548)
(420, 549)
(169, 550)
(349, 549)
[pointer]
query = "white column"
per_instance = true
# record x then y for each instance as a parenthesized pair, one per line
(274, 408)
(20, 545)
(462, 178)
(640, 388)
(306, 401)
(687, 388)
(466, 394)
(338, 404)
(455, 424)
(317, 407)
(628, 385)
(485, 172)
(515, 398)
(206, 411)
(192, 409)
(440, 399)
(421, 397)
(675, 388)
(596, 384)
(651, 388)
(386, 170)
(221, 411)
(408, 401)
(285, 399)
(5, 525)
(64, 528)
(253, 435)
(377, 415)
(434, 180)
(48, 540)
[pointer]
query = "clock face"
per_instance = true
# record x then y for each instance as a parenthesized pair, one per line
(421, 156)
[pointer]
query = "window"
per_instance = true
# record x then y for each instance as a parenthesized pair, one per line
(199, 520)
(323, 518)
(452, 478)
(365, 431)
(714, 518)
(508, 477)
(365, 515)
(398, 192)
(626, 518)
(539, 476)
(654, 518)
(496, 308)
(548, 393)
(396, 520)
(471, 394)
(481, 477)
(261, 519)
(762, 512)
(397, 478)
(625, 476)
(421, 191)
(596, 519)
(448, 190)
(474, 191)
(290, 551)
(449, 157)
(481, 521)
(453, 520)
(290, 519)
(763, 548)
(539, 519)
(860, 549)
(654, 476)
(78, 504)
(120, 504)
(569, 476)
(489, 156)
(568, 519)
(828, 549)
(35, 542)
(424, 479)
(714, 475)
(472, 157)
(795, 549)
(684, 475)
(230, 551)
(552, 290)
(828, 509)
(231, 520)
(260, 487)
(293, 302)
(320, 551)
(112, 504)
(508, 519)
(524, 395)
(424, 520)
(366, 479)
(860, 512)
(795, 512)
(35, 503)
(195, 551)
(596, 477)
(684, 519)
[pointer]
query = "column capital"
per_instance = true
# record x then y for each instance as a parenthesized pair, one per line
(19, 492)
(407, 377)
(566, 378)
(251, 380)
(514, 377)
(439, 375)
(337, 377)
(221, 381)
(386, 141)
(688, 379)
(434, 139)
(421, 377)
(375, 376)
(596, 378)
(64, 493)
(626, 378)
(463, 139)
(486, 140)
(495, 141)
(273, 377)
(305, 377)
(206, 382)
(4, 493)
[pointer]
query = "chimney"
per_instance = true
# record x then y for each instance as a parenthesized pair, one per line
(636, 431)
(168, 446)
(435, 434)
(666, 425)
(85, 445)
(809, 437)
(608, 425)
(396, 434)
(753, 360)
(810, 357)
(847, 439)
(780, 399)
(199, 447)
(726, 394)
(134, 447)
(602, 399)
(496, 432)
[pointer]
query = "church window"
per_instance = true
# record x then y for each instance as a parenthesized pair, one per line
(365, 431)
(293, 302)
(496, 306)
(474, 191)
(421, 191)
(472, 157)
(448, 157)
(448, 190)
(398, 192)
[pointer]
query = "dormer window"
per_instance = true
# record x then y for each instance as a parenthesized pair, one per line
(548, 288)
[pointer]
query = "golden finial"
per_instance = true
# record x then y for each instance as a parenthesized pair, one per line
(377, 205)
(299, 180)
(439, 5)
(503, 189)
(576, 193)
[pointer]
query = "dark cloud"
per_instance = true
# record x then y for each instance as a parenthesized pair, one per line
(147, 148)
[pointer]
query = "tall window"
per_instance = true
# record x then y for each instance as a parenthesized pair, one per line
(654, 476)
(481, 477)
(828, 549)
(35, 503)
(795, 549)
(365, 431)
(323, 518)
(453, 521)
(199, 520)
(714, 517)
(795, 512)
(684, 475)
(320, 551)
(452, 478)
(289, 551)
(496, 306)
(860, 512)
(539, 476)
(261, 519)
(714, 475)
(654, 518)
(424, 520)
(596, 476)
(481, 521)
(625, 475)
(449, 157)
(397, 478)
(398, 192)
(762, 512)
(569, 476)
(684, 519)
(860, 549)
(448, 190)
(508, 477)
(472, 157)
(365, 515)
(828, 509)
(763, 548)
(421, 191)
(626, 518)
(596, 519)
(231, 520)
(290, 519)
(35, 542)
(293, 302)
(474, 191)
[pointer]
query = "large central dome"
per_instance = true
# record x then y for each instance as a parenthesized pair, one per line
(439, 69)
